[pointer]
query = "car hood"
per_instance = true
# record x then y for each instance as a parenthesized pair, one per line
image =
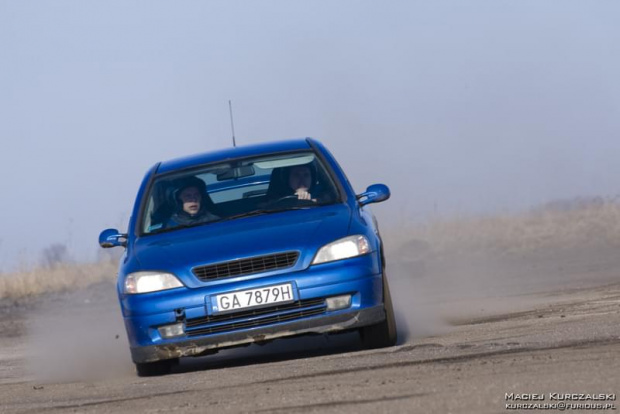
(303, 230)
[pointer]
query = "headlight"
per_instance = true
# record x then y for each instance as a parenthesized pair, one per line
(143, 282)
(342, 249)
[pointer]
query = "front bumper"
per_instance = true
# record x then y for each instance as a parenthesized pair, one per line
(339, 321)
(359, 277)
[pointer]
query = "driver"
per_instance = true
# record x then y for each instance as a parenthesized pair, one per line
(191, 203)
(300, 181)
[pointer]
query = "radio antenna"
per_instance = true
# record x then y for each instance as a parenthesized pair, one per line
(232, 124)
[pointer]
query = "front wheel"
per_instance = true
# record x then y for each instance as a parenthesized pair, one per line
(384, 333)
(151, 369)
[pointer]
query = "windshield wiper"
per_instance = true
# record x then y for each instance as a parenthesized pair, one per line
(253, 213)
(261, 211)
(177, 227)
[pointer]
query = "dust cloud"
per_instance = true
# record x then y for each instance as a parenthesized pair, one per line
(78, 337)
(441, 275)
(442, 278)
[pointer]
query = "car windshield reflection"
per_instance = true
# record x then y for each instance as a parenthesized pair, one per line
(233, 190)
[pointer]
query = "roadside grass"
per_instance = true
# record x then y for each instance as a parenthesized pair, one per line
(579, 226)
(58, 278)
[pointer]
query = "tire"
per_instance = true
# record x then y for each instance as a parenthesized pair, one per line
(152, 369)
(384, 333)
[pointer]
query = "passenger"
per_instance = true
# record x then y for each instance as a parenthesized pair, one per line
(191, 203)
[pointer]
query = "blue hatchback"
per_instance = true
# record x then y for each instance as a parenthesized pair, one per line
(248, 245)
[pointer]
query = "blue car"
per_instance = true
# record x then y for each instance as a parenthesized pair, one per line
(246, 245)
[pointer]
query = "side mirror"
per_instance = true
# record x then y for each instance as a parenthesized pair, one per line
(376, 193)
(112, 238)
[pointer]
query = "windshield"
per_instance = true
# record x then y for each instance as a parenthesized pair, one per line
(235, 189)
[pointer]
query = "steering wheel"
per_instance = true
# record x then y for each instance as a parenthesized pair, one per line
(288, 197)
(291, 200)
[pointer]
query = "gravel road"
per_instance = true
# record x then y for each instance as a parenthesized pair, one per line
(461, 351)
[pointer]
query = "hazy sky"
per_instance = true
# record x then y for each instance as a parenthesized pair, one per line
(472, 106)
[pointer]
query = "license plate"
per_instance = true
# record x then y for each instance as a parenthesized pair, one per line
(253, 298)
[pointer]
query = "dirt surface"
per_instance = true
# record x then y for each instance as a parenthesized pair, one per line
(472, 331)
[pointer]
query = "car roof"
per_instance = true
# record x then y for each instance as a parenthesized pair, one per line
(232, 153)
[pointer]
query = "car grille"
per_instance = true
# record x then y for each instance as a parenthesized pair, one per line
(253, 318)
(249, 266)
